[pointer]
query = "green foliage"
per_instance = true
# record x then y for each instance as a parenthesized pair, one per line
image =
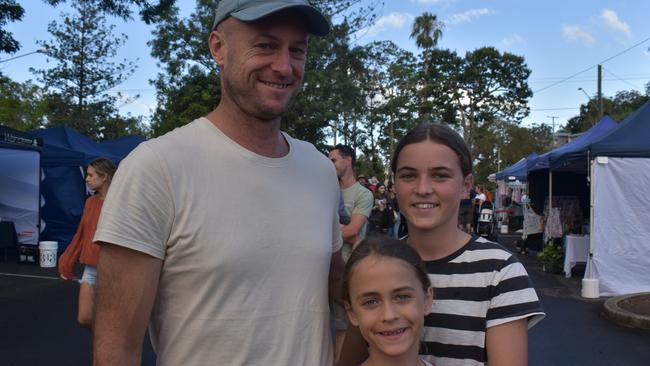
(370, 166)
(508, 142)
(619, 107)
(20, 105)
(193, 96)
(10, 11)
(552, 257)
(77, 86)
(427, 30)
(472, 92)
(149, 11)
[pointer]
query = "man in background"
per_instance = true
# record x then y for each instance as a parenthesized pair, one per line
(358, 203)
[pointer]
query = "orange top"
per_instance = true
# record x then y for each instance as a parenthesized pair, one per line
(81, 247)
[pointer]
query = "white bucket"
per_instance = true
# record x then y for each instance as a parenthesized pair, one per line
(590, 288)
(504, 229)
(48, 252)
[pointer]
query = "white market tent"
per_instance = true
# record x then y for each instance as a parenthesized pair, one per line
(620, 190)
(20, 158)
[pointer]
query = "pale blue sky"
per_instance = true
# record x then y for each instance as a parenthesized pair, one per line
(557, 39)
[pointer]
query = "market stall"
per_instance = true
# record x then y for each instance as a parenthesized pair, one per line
(620, 239)
(20, 155)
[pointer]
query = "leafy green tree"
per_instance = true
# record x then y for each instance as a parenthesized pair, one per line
(618, 108)
(10, 11)
(77, 86)
(474, 91)
(150, 11)
(502, 144)
(21, 105)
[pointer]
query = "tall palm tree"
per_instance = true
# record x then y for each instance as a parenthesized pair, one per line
(427, 30)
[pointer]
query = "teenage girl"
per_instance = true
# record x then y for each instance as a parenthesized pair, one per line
(82, 249)
(485, 301)
(387, 293)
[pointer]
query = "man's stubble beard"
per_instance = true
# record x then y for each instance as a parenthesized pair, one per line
(255, 109)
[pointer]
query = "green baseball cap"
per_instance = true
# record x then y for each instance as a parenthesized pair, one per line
(251, 10)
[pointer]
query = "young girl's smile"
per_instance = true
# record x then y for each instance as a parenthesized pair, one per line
(430, 183)
(388, 304)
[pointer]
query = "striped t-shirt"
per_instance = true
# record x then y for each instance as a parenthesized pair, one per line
(479, 286)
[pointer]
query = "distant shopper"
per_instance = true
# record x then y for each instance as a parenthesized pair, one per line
(99, 175)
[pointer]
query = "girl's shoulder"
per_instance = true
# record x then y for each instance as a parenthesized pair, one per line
(479, 243)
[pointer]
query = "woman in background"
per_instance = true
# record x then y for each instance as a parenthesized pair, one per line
(82, 249)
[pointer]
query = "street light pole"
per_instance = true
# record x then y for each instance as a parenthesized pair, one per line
(589, 100)
(42, 50)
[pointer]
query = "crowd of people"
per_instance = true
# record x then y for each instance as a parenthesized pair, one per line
(212, 237)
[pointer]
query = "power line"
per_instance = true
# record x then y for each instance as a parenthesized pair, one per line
(554, 109)
(623, 80)
(593, 79)
(591, 67)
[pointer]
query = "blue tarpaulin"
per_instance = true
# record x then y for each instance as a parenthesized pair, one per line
(630, 139)
(553, 158)
(64, 156)
(518, 171)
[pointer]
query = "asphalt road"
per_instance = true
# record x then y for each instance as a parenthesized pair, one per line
(38, 323)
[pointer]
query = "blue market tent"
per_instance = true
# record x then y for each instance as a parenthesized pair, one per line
(630, 139)
(550, 174)
(517, 171)
(560, 155)
(67, 138)
(63, 188)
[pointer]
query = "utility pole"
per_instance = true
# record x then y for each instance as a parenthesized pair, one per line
(553, 123)
(600, 92)
(553, 128)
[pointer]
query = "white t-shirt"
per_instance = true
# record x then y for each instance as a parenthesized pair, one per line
(246, 242)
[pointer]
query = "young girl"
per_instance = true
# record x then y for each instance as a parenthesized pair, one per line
(386, 293)
(485, 302)
(98, 178)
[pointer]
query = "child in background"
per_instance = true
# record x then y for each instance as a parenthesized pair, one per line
(387, 293)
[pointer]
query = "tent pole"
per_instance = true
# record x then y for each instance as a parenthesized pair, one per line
(590, 174)
(550, 198)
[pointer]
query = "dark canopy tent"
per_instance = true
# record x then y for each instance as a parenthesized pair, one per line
(575, 147)
(630, 139)
(567, 179)
(65, 154)
(517, 171)
(70, 139)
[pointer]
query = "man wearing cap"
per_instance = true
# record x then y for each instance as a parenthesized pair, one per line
(211, 234)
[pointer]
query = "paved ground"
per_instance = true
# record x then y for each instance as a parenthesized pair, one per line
(38, 325)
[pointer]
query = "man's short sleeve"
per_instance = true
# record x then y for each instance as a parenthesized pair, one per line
(139, 207)
(364, 203)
